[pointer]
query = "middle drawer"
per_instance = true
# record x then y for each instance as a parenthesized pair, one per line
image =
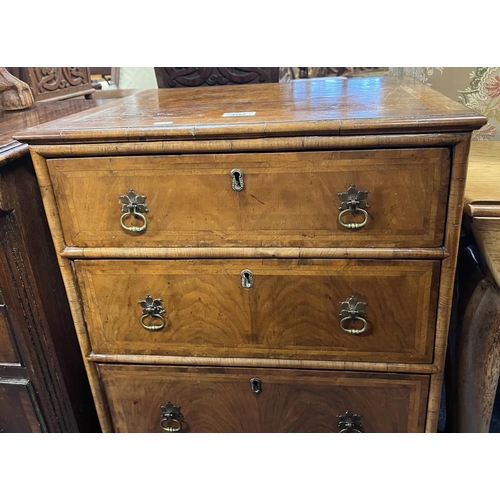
(355, 310)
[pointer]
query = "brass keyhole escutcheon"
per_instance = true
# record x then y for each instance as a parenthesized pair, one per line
(256, 385)
(237, 182)
(246, 278)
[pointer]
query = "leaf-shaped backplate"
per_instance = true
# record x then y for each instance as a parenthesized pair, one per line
(350, 420)
(151, 306)
(352, 307)
(170, 411)
(133, 202)
(353, 198)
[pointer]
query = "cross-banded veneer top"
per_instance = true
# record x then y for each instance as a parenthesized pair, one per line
(323, 106)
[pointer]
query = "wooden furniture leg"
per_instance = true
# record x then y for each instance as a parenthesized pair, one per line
(478, 358)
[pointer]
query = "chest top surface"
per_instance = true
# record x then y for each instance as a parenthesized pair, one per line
(326, 106)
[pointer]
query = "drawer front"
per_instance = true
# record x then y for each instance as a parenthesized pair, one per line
(287, 199)
(228, 400)
(17, 407)
(296, 309)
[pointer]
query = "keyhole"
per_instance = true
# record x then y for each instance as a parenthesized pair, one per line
(246, 278)
(256, 384)
(237, 179)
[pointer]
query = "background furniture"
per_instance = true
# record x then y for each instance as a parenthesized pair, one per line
(478, 338)
(43, 385)
(196, 77)
(56, 83)
(14, 94)
(273, 258)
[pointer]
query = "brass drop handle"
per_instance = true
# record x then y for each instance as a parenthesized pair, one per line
(171, 417)
(237, 182)
(351, 311)
(133, 205)
(152, 311)
(353, 201)
(349, 422)
(353, 225)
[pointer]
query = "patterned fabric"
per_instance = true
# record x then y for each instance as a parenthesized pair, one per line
(483, 95)
(475, 88)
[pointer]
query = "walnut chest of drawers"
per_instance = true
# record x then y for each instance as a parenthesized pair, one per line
(268, 258)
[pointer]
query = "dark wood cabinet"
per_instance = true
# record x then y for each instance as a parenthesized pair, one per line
(19, 408)
(42, 380)
(43, 386)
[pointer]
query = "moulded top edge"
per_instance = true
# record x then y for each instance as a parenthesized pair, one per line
(324, 106)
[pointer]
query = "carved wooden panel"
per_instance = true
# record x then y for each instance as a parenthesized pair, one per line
(196, 77)
(56, 83)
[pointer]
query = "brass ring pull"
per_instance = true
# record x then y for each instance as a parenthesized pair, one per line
(177, 427)
(354, 331)
(153, 328)
(353, 310)
(133, 205)
(353, 225)
(138, 215)
(353, 200)
(152, 308)
(171, 417)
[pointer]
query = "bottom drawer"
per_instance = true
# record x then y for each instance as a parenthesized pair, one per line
(261, 400)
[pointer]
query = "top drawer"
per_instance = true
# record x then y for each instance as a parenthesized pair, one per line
(256, 199)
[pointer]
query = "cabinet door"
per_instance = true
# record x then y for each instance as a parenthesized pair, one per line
(17, 406)
(262, 400)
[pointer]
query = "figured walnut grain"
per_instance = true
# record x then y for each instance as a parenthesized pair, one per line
(289, 199)
(292, 311)
(221, 399)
